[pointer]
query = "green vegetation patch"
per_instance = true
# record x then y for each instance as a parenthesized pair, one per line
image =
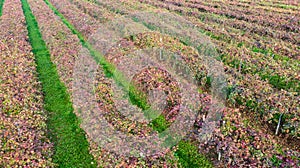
(1, 6)
(189, 156)
(70, 144)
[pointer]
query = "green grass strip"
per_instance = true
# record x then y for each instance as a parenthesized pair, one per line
(1, 6)
(70, 144)
(189, 156)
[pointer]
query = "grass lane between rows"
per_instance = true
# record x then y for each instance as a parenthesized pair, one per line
(70, 144)
(1, 6)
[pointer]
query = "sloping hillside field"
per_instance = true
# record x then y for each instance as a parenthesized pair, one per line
(149, 83)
